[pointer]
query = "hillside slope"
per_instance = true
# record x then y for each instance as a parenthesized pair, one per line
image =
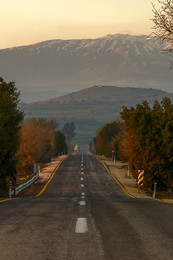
(109, 94)
(92, 107)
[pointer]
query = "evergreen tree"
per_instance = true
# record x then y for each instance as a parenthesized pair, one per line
(150, 140)
(10, 124)
(69, 131)
(106, 135)
(61, 145)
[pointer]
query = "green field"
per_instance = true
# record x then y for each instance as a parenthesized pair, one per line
(87, 117)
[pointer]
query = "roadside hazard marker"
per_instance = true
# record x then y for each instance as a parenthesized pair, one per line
(140, 178)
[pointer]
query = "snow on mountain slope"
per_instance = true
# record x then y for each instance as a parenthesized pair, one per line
(123, 60)
(108, 44)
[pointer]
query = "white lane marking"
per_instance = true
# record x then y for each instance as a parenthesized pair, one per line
(81, 225)
(81, 169)
(82, 185)
(82, 178)
(82, 197)
(83, 193)
(82, 203)
(82, 172)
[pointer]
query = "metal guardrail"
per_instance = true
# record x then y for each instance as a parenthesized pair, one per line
(23, 185)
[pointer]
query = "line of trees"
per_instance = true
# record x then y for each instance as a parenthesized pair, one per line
(150, 141)
(24, 143)
(109, 139)
(146, 141)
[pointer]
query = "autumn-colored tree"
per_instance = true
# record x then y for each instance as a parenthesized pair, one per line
(121, 148)
(10, 123)
(37, 143)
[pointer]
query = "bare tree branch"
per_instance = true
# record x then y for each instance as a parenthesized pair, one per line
(163, 24)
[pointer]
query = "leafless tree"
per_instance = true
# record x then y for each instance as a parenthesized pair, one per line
(163, 24)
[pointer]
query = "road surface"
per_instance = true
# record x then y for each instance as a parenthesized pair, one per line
(84, 214)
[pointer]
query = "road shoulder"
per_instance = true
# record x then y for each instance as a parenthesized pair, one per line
(44, 176)
(120, 171)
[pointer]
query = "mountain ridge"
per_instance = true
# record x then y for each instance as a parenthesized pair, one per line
(74, 39)
(69, 65)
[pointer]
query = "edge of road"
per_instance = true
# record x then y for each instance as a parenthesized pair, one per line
(115, 178)
(50, 178)
(3, 200)
(122, 186)
(107, 169)
(43, 189)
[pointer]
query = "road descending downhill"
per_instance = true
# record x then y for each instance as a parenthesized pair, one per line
(83, 214)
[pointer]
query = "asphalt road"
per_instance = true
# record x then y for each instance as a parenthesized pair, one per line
(84, 214)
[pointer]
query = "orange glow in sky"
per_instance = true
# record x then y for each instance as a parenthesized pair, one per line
(25, 22)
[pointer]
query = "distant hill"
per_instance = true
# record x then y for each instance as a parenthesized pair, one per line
(92, 107)
(109, 94)
(70, 65)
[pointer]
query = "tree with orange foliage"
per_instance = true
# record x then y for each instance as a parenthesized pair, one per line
(37, 144)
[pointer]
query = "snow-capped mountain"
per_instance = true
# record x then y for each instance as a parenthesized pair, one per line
(67, 65)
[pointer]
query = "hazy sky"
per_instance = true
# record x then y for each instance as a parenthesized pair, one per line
(30, 21)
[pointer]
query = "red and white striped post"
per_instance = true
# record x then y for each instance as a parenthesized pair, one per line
(140, 179)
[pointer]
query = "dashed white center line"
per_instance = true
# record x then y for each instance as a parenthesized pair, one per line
(82, 172)
(83, 193)
(82, 178)
(82, 197)
(81, 225)
(82, 185)
(82, 203)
